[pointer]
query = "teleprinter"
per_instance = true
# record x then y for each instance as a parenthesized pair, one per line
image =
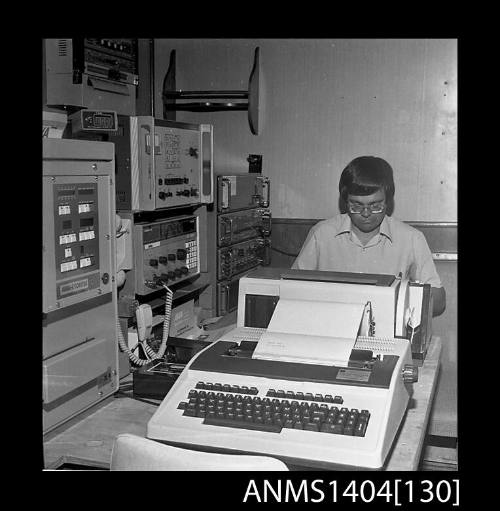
(318, 372)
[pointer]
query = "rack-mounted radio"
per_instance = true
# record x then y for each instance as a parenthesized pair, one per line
(162, 164)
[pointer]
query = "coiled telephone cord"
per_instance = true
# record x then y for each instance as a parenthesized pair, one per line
(150, 353)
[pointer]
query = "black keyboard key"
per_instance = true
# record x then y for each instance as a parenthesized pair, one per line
(271, 393)
(181, 405)
(226, 388)
(348, 431)
(299, 395)
(309, 396)
(273, 428)
(328, 398)
(338, 429)
(193, 393)
(318, 397)
(244, 390)
(298, 425)
(217, 386)
(209, 386)
(338, 400)
(360, 429)
(200, 385)
(190, 412)
(280, 393)
(235, 388)
(326, 427)
(253, 390)
(290, 394)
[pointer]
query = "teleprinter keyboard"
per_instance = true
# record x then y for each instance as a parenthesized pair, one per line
(228, 403)
(239, 407)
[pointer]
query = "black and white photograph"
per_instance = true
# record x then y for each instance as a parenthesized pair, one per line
(250, 261)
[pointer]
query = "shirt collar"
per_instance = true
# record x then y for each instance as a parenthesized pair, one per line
(345, 226)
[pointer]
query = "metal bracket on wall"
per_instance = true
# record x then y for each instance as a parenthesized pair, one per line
(172, 98)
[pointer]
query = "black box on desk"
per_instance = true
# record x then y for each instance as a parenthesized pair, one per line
(154, 380)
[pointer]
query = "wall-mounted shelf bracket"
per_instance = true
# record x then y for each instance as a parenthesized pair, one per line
(181, 100)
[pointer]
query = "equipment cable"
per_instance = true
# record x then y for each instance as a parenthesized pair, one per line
(150, 353)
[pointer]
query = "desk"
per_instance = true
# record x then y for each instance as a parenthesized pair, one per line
(90, 440)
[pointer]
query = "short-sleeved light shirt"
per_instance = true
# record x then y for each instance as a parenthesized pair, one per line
(397, 248)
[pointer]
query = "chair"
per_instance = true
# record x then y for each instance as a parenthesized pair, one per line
(131, 452)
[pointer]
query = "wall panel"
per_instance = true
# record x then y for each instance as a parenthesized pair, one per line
(326, 102)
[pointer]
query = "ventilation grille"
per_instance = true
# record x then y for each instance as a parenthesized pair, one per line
(63, 47)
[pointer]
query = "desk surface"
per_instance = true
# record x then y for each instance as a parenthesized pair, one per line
(89, 441)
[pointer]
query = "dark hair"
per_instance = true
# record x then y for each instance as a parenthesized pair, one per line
(366, 175)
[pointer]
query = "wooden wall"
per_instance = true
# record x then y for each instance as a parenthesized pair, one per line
(327, 101)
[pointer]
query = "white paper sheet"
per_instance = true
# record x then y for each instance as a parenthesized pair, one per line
(312, 332)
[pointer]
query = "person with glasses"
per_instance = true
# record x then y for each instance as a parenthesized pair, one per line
(365, 238)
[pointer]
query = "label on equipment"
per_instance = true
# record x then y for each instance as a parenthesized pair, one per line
(353, 375)
(74, 287)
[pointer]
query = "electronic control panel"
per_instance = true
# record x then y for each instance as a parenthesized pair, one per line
(77, 234)
(165, 252)
(76, 221)
(242, 256)
(112, 59)
(79, 304)
(242, 225)
(93, 73)
(162, 164)
(242, 191)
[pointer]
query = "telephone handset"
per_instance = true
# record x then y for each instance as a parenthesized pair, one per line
(144, 317)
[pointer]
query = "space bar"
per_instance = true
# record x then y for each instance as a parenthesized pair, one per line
(228, 423)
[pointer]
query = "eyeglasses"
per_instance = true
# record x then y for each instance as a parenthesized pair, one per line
(357, 208)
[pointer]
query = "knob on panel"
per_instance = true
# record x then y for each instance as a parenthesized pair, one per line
(410, 373)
